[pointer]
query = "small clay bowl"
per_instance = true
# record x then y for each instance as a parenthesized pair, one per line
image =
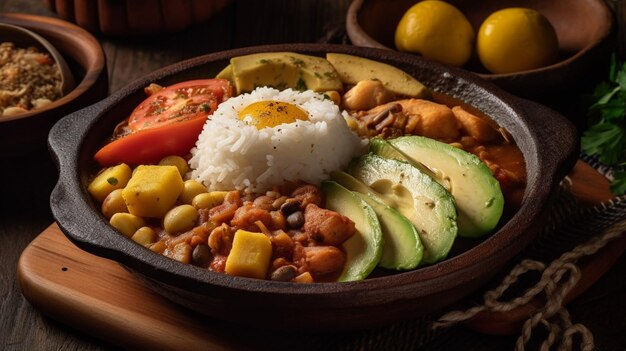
(582, 27)
(548, 141)
(26, 133)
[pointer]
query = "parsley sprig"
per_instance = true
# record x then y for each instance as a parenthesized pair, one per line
(606, 136)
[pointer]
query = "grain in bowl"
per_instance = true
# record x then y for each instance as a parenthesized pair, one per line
(29, 79)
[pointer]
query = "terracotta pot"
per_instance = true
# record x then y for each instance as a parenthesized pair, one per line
(136, 17)
(548, 141)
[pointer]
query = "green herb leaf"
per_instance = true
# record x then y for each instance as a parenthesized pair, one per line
(606, 140)
(112, 180)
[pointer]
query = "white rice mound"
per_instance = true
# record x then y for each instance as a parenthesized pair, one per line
(230, 154)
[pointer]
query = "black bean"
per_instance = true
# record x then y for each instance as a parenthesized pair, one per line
(284, 273)
(295, 220)
(201, 255)
(289, 207)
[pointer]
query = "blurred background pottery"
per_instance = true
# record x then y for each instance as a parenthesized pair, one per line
(582, 28)
(23, 137)
(547, 140)
(136, 17)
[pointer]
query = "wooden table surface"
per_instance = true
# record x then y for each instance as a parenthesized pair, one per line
(25, 215)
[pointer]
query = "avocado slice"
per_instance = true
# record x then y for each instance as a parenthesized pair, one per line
(416, 196)
(402, 249)
(477, 193)
(363, 250)
(353, 69)
(282, 70)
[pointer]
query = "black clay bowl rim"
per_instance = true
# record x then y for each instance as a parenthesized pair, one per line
(548, 158)
(79, 39)
(361, 37)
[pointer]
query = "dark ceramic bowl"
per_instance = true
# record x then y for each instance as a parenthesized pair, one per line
(27, 132)
(582, 27)
(548, 141)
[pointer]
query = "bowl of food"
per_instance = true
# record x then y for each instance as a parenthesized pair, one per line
(529, 48)
(309, 186)
(31, 106)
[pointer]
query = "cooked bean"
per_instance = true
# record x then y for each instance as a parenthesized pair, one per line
(114, 203)
(284, 273)
(126, 223)
(289, 207)
(295, 220)
(177, 161)
(181, 253)
(278, 220)
(144, 236)
(191, 189)
(208, 200)
(180, 219)
(201, 255)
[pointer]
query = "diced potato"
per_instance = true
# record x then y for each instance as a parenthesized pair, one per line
(250, 255)
(182, 253)
(112, 178)
(152, 190)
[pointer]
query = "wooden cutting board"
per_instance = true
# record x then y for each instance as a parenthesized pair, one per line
(100, 298)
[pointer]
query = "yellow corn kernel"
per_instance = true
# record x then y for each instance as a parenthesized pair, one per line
(127, 223)
(250, 255)
(112, 178)
(209, 200)
(144, 236)
(152, 190)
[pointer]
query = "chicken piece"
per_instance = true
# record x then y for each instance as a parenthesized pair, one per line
(430, 119)
(327, 227)
(308, 194)
(247, 215)
(475, 126)
(319, 260)
(367, 94)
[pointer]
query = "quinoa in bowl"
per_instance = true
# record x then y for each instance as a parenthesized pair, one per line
(29, 79)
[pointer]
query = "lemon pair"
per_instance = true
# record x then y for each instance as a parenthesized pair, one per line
(509, 40)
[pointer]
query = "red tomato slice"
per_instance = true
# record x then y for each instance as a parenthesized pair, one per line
(179, 102)
(173, 131)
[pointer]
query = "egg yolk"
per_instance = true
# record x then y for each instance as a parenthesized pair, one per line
(263, 114)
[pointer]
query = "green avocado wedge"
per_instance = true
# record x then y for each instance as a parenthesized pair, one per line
(476, 191)
(416, 196)
(403, 248)
(364, 249)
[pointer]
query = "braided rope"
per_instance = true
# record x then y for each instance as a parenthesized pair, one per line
(556, 281)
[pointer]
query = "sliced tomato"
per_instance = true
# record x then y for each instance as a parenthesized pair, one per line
(173, 130)
(179, 102)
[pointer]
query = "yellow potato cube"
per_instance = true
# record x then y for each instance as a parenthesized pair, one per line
(152, 190)
(112, 178)
(250, 255)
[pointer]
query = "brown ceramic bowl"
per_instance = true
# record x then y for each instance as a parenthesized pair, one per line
(136, 17)
(547, 140)
(28, 132)
(582, 27)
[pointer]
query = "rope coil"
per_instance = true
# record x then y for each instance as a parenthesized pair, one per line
(557, 280)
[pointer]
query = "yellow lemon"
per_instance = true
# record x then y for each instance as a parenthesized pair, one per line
(516, 39)
(436, 30)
